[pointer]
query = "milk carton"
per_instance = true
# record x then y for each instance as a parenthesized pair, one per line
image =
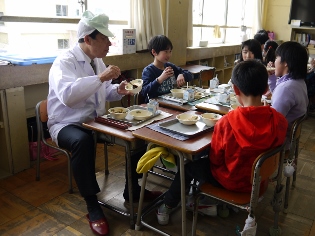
(188, 94)
(153, 106)
(214, 83)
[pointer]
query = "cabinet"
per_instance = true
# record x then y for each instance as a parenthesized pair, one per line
(297, 35)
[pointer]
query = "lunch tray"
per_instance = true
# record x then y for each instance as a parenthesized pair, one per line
(185, 130)
(170, 98)
(129, 120)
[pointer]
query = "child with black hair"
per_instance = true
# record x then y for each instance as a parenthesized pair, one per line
(288, 87)
(262, 37)
(250, 49)
(161, 76)
(269, 51)
(238, 138)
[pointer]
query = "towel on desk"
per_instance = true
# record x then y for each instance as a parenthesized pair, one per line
(148, 160)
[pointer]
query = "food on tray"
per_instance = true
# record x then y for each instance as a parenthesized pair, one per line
(187, 119)
(118, 110)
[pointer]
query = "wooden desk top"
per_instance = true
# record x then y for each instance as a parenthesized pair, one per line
(222, 110)
(106, 129)
(195, 69)
(120, 133)
(189, 146)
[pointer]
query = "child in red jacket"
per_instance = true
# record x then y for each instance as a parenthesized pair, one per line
(238, 138)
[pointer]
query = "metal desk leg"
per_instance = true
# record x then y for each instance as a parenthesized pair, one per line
(183, 191)
(129, 179)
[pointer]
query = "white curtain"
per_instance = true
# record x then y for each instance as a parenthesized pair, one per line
(258, 16)
(146, 18)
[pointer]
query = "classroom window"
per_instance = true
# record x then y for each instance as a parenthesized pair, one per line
(28, 29)
(221, 21)
(63, 43)
(61, 10)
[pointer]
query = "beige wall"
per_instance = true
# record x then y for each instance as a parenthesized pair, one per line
(276, 17)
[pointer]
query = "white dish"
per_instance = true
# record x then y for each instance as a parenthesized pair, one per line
(187, 119)
(139, 114)
(224, 86)
(118, 113)
(177, 93)
(210, 119)
(134, 86)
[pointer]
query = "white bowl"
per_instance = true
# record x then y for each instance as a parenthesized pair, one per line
(187, 119)
(134, 86)
(140, 114)
(118, 113)
(224, 86)
(210, 119)
(234, 106)
(177, 93)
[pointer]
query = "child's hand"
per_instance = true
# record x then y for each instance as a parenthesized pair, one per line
(180, 80)
(168, 72)
(270, 68)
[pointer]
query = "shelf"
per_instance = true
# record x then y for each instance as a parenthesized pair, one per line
(303, 30)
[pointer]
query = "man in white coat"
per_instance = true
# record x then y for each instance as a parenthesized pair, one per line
(79, 86)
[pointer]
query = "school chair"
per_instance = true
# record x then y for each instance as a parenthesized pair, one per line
(264, 167)
(291, 156)
(41, 118)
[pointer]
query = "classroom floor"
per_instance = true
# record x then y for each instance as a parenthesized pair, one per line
(29, 207)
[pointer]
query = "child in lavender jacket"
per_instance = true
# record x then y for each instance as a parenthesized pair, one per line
(289, 92)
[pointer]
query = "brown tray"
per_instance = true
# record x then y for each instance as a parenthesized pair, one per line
(110, 122)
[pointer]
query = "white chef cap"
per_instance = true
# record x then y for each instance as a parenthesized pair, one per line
(90, 22)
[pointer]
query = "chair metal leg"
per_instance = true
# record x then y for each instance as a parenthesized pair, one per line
(287, 193)
(106, 158)
(144, 180)
(38, 160)
(195, 215)
(296, 155)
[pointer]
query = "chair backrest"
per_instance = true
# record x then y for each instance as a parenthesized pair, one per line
(296, 129)
(43, 114)
(41, 117)
(267, 163)
(207, 75)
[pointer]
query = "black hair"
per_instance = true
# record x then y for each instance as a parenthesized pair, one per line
(92, 35)
(251, 77)
(253, 46)
(296, 57)
(270, 49)
(159, 43)
(261, 36)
